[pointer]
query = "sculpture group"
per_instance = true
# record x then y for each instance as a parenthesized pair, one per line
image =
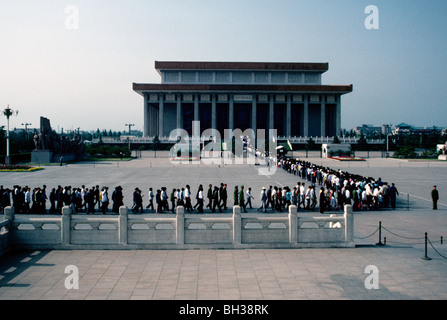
(48, 140)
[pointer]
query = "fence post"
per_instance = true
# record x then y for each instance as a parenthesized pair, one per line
(349, 226)
(180, 225)
(293, 224)
(237, 225)
(66, 225)
(380, 235)
(9, 215)
(122, 225)
(425, 257)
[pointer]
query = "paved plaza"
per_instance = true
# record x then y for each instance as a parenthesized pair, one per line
(259, 274)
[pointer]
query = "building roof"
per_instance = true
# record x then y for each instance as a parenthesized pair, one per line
(203, 65)
(404, 125)
(147, 87)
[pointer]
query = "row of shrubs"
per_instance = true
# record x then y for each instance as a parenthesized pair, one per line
(105, 151)
(408, 152)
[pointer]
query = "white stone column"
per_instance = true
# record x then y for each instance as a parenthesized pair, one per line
(349, 226)
(293, 224)
(66, 225)
(213, 112)
(179, 112)
(160, 116)
(9, 215)
(146, 117)
(122, 225)
(306, 116)
(271, 112)
(196, 108)
(231, 113)
(323, 116)
(289, 116)
(180, 225)
(253, 113)
(338, 116)
(237, 225)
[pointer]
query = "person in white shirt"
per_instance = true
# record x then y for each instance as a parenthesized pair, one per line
(347, 195)
(308, 197)
(104, 200)
(263, 198)
(187, 195)
(151, 199)
(200, 199)
(248, 197)
(302, 195)
(27, 200)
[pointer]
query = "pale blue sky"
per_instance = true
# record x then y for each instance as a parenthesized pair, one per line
(83, 78)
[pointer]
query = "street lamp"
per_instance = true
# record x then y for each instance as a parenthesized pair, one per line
(26, 128)
(8, 112)
(128, 138)
(387, 131)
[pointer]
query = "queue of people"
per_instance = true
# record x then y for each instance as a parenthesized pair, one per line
(338, 187)
(96, 199)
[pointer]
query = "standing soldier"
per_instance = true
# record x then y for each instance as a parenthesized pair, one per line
(215, 199)
(242, 199)
(435, 197)
(393, 193)
(236, 196)
(209, 196)
(223, 195)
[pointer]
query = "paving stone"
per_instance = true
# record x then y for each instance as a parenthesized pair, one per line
(277, 274)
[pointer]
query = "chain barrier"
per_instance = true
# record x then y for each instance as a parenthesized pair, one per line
(427, 240)
(367, 236)
(435, 249)
(397, 235)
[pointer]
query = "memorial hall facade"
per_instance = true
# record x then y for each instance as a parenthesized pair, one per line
(288, 97)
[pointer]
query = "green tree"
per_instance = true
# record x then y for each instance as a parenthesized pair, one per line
(155, 144)
(362, 144)
(310, 145)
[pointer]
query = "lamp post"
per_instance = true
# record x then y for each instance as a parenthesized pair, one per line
(128, 138)
(26, 128)
(8, 112)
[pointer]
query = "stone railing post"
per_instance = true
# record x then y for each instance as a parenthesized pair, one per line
(349, 226)
(122, 225)
(293, 224)
(66, 225)
(9, 215)
(237, 225)
(180, 225)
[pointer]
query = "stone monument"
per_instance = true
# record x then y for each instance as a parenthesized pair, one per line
(51, 147)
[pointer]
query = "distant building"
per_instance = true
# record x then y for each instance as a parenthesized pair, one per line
(368, 130)
(404, 128)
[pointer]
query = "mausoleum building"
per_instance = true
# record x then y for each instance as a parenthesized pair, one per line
(288, 97)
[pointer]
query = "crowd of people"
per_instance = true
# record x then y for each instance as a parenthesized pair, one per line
(27, 200)
(336, 189)
(95, 199)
